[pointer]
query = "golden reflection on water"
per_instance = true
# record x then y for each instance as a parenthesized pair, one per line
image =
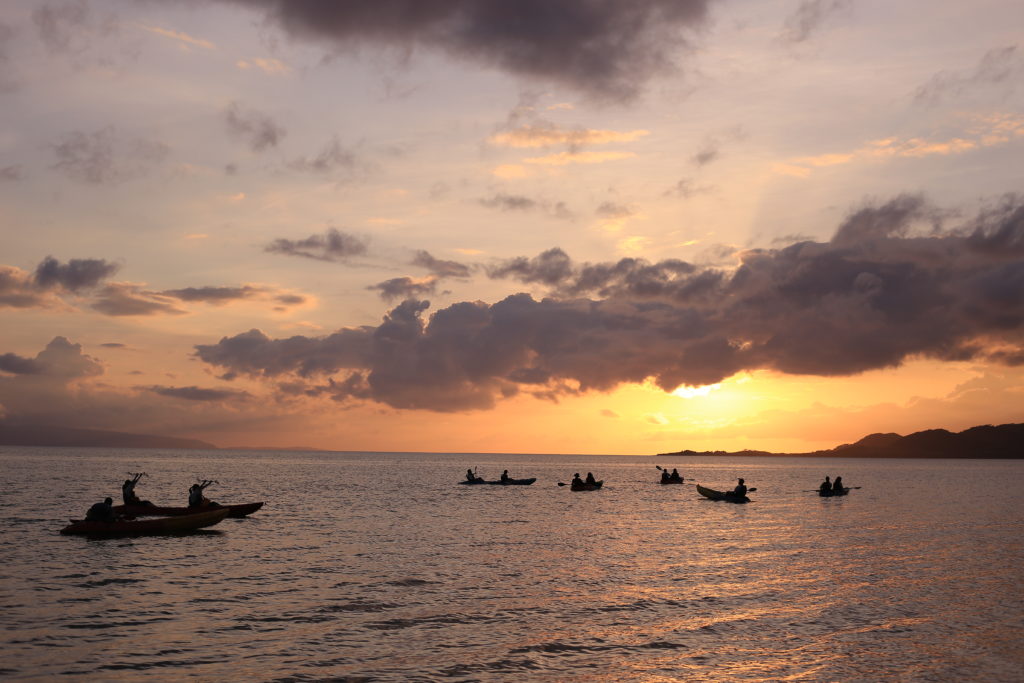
(635, 582)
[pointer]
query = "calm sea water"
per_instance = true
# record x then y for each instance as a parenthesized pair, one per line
(378, 567)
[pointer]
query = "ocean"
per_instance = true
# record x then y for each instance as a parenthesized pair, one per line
(380, 567)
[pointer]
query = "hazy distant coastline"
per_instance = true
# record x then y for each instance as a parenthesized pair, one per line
(986, 441)
(48, 435)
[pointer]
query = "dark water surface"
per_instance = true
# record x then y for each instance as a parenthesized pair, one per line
(378, 567)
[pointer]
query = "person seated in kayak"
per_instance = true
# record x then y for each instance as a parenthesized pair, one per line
(196, 497)
(504, 476)
(470, 476)
(101, 512)
(666, 478)
(837, 485)
(741, 490)
(576, 481)
(826, 487)
(590, 478)
(128, 491)
(675, 475)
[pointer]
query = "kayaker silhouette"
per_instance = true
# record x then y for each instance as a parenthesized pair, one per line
(741, 490)
(101, 512)
(826, 487)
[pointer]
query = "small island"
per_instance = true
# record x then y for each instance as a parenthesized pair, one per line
(985, 441)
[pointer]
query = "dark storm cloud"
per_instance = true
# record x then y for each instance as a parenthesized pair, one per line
(604, 48)
(808, 18)
(198, 393)
(999, 66)
(257, 129)
(75, 275)
(886, 288)
(333, 245)
(125, 299)
(404, 288)
(441, 268)
(103, 157)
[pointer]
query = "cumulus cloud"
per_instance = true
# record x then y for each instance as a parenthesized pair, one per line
(105, 157)
(51, 280)
(333, 245)
(888, 287)
(1000, 66)
(73, 276)
(63, 386)
(60, 359)
(604, 49)
(258, 130)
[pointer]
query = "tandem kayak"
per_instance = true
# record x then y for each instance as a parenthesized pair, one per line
(146, 527)
(829, 494)
(721, 495)
(587, 487)
(507, 482)
(672, 481)
(236, 510)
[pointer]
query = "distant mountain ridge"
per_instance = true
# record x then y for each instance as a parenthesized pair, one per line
(985, 441)
(48, 435)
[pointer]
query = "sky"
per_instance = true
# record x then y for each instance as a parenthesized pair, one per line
(584, 226)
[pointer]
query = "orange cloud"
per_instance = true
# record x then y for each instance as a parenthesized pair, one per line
(183, 39)
(563, 158)
(985, 131)
(541, 135)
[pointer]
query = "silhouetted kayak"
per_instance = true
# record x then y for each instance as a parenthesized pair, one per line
(237, 510)
(721, 495)
(507, 482)
(672, 481)
(829, 494)
(144, 527)
(587, 487)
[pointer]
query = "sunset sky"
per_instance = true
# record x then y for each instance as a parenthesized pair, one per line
(548, 227)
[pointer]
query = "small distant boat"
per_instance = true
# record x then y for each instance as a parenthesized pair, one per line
(507, 482)
(587, 487)
(671, 481)
(728, 496)
(833, 492)
(146, 527)
(236, 510)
